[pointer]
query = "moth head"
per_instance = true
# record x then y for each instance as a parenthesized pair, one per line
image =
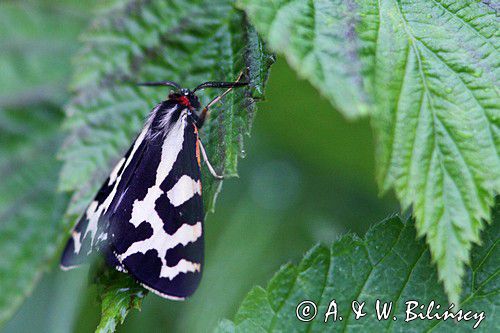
(186, 98)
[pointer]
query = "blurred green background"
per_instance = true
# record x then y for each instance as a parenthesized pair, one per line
(308, 177)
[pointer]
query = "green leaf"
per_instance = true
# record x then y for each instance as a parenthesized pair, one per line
(118, 295)
(430, 69)
(35, 62)
(388, 265)
(184, 41)
(319, 41)
(434, 66)
(36, 52)
(30, 210)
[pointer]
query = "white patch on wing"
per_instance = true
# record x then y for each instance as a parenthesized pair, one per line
(185, 188)
(114, 173)
(143, 211)
(92, 216)
(102, 237)
(95, 211)
(171, 297)
(183, 266)
(76, 241)
(172, 146)
(162, 241)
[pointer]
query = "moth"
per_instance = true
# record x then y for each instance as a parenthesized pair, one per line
(147, 218)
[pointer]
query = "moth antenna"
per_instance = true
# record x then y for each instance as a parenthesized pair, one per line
(161, 84)
(215, 84)
(231, 85)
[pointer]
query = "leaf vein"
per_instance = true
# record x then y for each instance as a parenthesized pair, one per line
(464, 23)
(396, 114)
(368, 275)
(400, 292)
(457, 75)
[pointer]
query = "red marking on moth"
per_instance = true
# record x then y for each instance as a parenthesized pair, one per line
(197, 145)
(184, 101)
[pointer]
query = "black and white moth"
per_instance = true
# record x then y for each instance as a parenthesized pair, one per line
(147, 218)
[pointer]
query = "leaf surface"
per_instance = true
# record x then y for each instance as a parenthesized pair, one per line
(36, 52)
(437, 120)
(35, 63)
(30, 209)
(118, 295)
(387, 265)
(318, 39)
(430, 69)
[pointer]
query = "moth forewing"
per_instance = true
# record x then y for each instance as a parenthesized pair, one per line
(147, 218)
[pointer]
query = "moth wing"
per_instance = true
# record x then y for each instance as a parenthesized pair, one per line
(157, 227)
(90, 234)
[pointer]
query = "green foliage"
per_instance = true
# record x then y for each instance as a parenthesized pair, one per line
(430, 69)
(319, 41)
(32, 82)
(436, 125)
(30, 209)
(35, 57)
(425, 71)
(118, 295)
(151, 41)
(389, 265)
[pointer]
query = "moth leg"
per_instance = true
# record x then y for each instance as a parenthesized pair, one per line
(204, 113)
(205, 158)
